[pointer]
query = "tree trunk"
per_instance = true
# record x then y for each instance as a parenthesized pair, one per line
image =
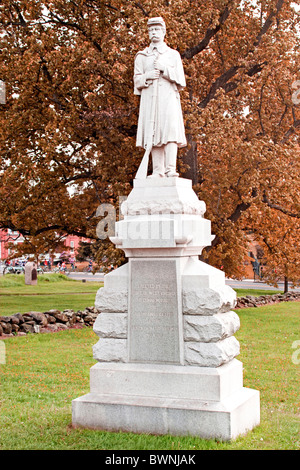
(190, 159)
(286, 284)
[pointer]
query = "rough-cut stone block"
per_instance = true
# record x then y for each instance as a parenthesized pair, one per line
(208, 301)
(156, 196)
(117, 279)
(211, 354)
(210, 328)
(110, 350)
(111, 300)
(111, 325)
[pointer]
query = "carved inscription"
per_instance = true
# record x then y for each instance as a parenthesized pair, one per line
(154, 329)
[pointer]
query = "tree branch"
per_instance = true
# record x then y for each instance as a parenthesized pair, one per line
(222, 80)
(268, 22)
(210, 33)
(279, 208)
(140, 6)
(291, 131)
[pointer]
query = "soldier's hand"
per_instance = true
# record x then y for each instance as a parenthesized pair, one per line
(152, 74)
(158, 65)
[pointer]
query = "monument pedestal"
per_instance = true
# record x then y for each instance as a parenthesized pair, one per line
(167, 399)
(166, 351)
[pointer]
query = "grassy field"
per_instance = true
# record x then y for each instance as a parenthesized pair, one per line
(42, 374)
(58, 291)
(256, 292)
(52, 291)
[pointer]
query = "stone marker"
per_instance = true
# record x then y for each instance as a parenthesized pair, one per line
(166, 351)
(30, 274)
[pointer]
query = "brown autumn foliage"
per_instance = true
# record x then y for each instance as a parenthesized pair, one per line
(67, 130)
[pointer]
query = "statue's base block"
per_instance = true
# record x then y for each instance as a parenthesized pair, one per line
(165, 399)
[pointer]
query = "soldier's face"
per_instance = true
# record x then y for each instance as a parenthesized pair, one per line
(156, 33)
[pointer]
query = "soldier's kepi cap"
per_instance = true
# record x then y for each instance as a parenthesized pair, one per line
(156, 21)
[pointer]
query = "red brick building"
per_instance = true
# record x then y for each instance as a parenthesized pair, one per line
(8, 236)
(71, 242)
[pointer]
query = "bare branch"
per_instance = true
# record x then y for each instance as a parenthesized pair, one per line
(222, 80)
(260, 109)
(268, 22)
(140, 6)
(291, 131)
(279, 208)
(210, 33)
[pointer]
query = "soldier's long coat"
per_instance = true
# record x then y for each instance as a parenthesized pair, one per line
(168, 119)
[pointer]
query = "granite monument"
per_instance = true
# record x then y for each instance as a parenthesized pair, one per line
(166, 355)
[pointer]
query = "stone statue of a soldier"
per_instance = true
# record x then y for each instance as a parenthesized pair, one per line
(158, 78)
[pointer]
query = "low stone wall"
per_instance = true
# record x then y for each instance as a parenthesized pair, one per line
(56, 320)
(45, 322)
(251, 301)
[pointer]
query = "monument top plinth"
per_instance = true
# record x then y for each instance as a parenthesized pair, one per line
(162, 182)
(163, 196)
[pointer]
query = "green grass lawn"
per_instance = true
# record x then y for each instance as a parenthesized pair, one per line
(57, 291)
(256, 292)
(44, 373)
(52, 291)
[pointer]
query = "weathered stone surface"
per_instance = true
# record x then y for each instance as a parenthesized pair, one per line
(40, 318)
(210, 328)
(50, 318)
(111, 325)
(73, 319)
(155, 317)
(15, 327)
(27, 316)
(61, 317)
(208, 301)
(61, 326)
(14, 320)
(251, 301)
(111, 300)
(52, 327)
(27, 328)
(5, 319)
(110, 350)
(42, 322)
(18, 316)
(6, 328)
(52, 311)
(30, 273)
(211, 354)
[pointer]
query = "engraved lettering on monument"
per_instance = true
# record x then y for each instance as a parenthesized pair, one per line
(154, 313)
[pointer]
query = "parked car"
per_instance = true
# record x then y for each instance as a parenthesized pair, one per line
(14, 270)
(19, 270)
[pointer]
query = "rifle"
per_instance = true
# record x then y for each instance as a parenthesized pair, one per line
(143, 168)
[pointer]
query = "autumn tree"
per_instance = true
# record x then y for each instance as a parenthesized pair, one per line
(67, 130)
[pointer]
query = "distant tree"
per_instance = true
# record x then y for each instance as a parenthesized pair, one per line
(67, 130)
(84, 251)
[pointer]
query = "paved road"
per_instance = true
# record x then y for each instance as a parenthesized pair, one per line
(250, 284)
(243, 284)
(98, 277)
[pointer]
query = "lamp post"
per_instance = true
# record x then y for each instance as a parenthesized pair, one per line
(2, 92)
(2, 101)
